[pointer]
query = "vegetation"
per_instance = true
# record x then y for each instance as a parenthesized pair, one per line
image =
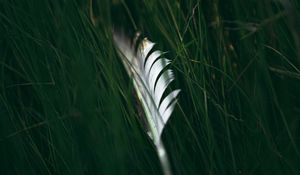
(67, 105)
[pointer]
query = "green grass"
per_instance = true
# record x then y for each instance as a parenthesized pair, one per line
(67, 106)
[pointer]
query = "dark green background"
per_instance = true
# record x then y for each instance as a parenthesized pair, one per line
(66, 104)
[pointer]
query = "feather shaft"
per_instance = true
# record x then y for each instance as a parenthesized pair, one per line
(150, 77)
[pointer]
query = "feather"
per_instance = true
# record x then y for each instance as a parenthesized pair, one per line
(151, 77)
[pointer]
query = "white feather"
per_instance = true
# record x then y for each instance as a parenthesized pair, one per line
(150, 78)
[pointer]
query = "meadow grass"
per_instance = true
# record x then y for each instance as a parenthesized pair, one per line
(67, 106)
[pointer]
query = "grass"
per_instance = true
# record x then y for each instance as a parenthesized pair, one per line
(66, 104)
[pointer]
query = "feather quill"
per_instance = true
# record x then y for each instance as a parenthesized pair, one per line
(150, 78)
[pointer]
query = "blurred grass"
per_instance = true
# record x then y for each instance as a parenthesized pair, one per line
(66, 103)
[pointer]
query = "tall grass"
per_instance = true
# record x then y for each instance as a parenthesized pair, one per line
(67, 106)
